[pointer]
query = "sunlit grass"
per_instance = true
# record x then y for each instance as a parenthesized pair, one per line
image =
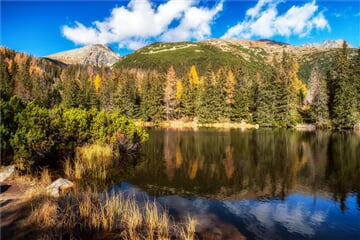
(87, 211)
(45, 176)
(78, 213)
(187, 232)
(91, 160)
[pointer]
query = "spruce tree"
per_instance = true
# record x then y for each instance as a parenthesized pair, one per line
(355, 74)
(151, 103)
(343, 103)
(266, 93)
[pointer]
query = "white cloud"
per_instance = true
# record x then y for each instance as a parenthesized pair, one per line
(132, 26)
(194, 25)
(263, 20)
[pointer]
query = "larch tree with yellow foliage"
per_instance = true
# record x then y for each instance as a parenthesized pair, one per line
(170, 93)
(229, 89)
(97, 82)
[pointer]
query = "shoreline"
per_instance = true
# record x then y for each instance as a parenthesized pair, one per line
(179, 124)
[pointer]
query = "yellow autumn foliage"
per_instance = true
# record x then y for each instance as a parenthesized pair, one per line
(179, 90)
(194, 77)
(97, 82)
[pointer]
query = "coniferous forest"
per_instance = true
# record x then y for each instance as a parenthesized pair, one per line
(47, 106)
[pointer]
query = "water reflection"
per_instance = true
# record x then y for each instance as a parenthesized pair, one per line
(255, 184)
(252, 164)
(296, 217)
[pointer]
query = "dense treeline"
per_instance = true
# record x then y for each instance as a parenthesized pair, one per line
(269, 94)
(31, 133)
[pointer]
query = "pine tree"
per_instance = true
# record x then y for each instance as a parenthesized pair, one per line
(355, 73)
(191, 94)
(343, 103)
(266, 92)
(212, 99)
(287, 98)
(6, 83)
(243, 100)
(127, 99)
(187, 100)
(151, 104)
(71, 88)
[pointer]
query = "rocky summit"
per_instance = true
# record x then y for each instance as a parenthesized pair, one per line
(92, 55)
(327, 44)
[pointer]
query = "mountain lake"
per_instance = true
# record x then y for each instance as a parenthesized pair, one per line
(253, 184)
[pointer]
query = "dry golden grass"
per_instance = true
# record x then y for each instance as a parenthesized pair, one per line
(89, 211)
(86, 210)
(187, 232)
(92, 160)
(45, 176)
(44, 212)
(68, 170)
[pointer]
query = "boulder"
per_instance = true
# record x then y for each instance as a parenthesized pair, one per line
(7, 172)
(59, 185)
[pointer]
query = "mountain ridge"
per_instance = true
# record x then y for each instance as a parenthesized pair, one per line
(328, 44)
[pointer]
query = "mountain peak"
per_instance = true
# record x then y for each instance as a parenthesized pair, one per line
(96, 54)
(328, 44)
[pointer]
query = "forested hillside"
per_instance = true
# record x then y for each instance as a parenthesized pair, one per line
(200, 82)
(50, 107)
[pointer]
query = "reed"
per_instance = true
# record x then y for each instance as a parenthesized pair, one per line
(102, 213)
(45, 176)
(187, 232)
(91, 161)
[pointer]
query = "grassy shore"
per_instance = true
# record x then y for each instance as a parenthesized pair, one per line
(180, 124)
(80, 214)
(86, 212)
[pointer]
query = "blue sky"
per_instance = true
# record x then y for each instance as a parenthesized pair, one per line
(44, 27)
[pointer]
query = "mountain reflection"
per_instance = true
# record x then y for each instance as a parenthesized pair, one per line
(253, 164)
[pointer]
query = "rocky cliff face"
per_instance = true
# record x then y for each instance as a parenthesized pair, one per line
(93, 55)
(327, 44)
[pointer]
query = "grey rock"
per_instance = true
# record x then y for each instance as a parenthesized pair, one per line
(328, 44)
(9, 170)
(92, 55)
(59, 185)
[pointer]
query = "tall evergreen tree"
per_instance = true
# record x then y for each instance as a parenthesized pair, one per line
(343, 104)
(212, 98)
(355, 74)
(6, 83)
(151, 105)
(127, 99)
(287, 99)
(266, 93)
(243, 100)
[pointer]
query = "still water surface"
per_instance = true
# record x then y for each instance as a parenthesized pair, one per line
(254, 184)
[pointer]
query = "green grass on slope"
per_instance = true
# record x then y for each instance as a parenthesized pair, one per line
(160, 56)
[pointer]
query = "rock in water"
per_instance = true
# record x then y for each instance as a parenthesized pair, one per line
(9, 170)
(60, 184)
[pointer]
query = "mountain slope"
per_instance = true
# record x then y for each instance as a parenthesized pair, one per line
(248, 55)
(92, 55)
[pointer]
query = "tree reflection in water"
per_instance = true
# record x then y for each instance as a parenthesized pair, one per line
(251, 164)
